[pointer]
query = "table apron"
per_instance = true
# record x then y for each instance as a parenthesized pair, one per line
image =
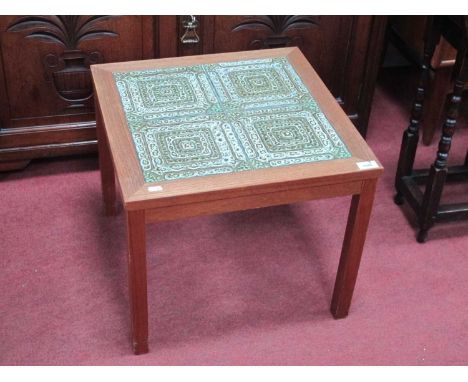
(247, 202)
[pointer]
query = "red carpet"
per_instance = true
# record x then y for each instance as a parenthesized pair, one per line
(247, 288)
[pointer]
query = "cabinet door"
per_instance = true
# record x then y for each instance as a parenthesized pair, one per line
(344, 50)
(46, 86)
(46, 62)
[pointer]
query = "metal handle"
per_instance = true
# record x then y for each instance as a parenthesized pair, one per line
(190, 36)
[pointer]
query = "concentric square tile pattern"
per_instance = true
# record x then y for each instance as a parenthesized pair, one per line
(226, 117)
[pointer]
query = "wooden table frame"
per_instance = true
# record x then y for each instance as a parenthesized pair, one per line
(228, 192)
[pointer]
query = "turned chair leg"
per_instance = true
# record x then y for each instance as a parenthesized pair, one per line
(435, 105)
(411, 135)
(438, 171)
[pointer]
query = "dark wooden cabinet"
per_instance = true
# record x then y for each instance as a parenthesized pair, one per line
(46, 106)
(46, 88)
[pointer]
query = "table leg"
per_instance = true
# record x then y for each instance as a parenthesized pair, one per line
(106, 166)
(353, 244)
(136, 232)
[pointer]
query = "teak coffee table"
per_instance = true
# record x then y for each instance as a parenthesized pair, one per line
(199, 135)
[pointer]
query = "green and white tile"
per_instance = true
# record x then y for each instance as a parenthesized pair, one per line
(222, 118)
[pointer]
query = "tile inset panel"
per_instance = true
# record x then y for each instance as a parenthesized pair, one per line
(221, 118)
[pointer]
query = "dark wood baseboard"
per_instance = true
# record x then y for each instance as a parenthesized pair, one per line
(13, 165)
(20, 145)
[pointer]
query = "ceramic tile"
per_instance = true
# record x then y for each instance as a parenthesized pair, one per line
(226, 117)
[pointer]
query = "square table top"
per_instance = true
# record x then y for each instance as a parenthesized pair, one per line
(201, 124)
(225, 117)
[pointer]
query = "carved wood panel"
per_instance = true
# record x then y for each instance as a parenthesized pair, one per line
(46, 63)
(278, 28)
(69, 72)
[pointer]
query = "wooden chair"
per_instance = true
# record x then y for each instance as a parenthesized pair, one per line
(406, 33)
(427, 205)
